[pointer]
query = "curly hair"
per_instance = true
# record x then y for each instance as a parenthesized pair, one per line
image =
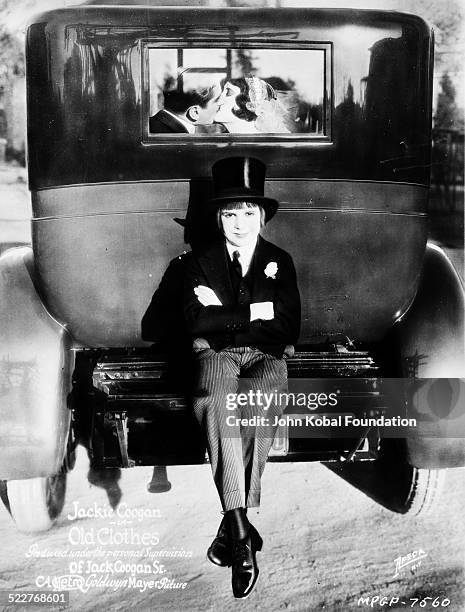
(241, 99)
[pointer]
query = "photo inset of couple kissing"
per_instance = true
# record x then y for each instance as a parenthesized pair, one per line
(235, 91)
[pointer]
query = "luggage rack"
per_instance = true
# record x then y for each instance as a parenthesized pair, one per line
(134, 376)
(338, 361)
(139, 388)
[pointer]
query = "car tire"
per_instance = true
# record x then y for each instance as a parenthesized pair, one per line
(418, 490)
(426, 491)
(4, 495)
(36, 503)
(392, 482)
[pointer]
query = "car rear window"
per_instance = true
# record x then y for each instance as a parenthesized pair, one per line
(282, 93)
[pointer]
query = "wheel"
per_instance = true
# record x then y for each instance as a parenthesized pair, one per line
(392, 482)
(4, 495)
(36, 503)
(426, 491)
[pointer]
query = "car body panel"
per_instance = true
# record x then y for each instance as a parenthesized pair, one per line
(87, 97)
(35, 366)
(101, 251)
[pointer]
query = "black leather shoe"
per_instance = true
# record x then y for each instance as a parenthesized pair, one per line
(219, 551)
(244, 565)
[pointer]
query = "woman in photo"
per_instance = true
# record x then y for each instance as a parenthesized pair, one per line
(250, 106)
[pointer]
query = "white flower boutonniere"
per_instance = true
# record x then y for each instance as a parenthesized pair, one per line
(271, 270)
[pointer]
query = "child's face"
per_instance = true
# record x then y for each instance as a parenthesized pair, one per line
(241, 226)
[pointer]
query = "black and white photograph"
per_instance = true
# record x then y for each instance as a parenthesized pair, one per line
(232, 305)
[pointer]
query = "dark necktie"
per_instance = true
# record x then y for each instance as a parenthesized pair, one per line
(237, 264)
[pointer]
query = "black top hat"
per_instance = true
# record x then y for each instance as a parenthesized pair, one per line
(241, 178)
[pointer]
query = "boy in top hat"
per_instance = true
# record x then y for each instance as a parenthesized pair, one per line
(242, 307)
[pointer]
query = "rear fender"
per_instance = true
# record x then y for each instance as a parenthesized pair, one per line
(431, 340)
(35, 375)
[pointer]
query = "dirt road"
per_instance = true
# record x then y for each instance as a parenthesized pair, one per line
(326, 546)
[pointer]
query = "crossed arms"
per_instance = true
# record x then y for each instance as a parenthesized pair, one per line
(273, 317)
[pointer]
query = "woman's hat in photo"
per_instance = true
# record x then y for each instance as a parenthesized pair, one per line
(241, 178)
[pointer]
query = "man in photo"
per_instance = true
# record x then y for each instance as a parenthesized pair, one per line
(184, 110)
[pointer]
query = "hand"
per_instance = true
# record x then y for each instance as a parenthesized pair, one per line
(206, 296)
(262, 310)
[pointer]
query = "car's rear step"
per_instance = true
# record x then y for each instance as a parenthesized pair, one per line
(143, 415)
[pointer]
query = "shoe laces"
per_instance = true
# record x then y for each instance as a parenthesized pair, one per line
(241, 553)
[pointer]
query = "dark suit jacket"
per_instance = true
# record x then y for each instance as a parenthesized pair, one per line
(164, 123)
(164, 324)
(218, 323)
(164, 319)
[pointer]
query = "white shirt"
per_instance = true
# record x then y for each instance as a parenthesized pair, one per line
(245, 255)
(190, 127)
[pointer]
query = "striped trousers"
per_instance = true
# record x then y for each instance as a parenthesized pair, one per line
(238, 451)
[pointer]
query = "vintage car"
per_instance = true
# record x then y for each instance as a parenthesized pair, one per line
(348, 158)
